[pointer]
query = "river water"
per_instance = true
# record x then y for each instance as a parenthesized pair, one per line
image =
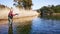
(36, 26)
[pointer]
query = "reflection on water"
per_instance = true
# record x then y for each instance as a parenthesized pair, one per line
(36, 26)
(45, 26)
(10, 30)
(23, 29)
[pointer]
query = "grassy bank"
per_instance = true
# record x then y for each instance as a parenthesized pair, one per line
(56, 14)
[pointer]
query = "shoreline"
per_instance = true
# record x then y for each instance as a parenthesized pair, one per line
(23, 17)
(56, 14)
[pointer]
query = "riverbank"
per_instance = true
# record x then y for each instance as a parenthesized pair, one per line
(20, 19)
(53, 14)
(22, 13)
(56, 14)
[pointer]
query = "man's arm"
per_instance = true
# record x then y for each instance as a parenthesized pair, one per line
(14, 14)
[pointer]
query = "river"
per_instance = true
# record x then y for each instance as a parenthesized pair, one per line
(36, 26)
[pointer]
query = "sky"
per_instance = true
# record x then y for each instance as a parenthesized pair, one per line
(37, 4)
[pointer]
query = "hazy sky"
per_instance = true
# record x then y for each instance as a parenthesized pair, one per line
(36, 3)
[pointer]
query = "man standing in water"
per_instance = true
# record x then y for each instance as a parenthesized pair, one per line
(10, 16)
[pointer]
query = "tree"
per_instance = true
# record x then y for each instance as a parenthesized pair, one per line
(50, 9)
(23, 3)
(57, 9)
(2, 6)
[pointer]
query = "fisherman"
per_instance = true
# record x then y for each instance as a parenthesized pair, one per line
(10, 16)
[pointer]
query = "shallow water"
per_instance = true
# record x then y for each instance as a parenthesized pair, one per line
(36, 26)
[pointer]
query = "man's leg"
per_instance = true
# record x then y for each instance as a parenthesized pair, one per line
(10, 20)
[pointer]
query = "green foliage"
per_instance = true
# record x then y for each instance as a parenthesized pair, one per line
(51, 8)
(57, 9)
(23, 3)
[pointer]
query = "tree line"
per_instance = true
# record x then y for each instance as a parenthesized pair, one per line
(50, 8)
